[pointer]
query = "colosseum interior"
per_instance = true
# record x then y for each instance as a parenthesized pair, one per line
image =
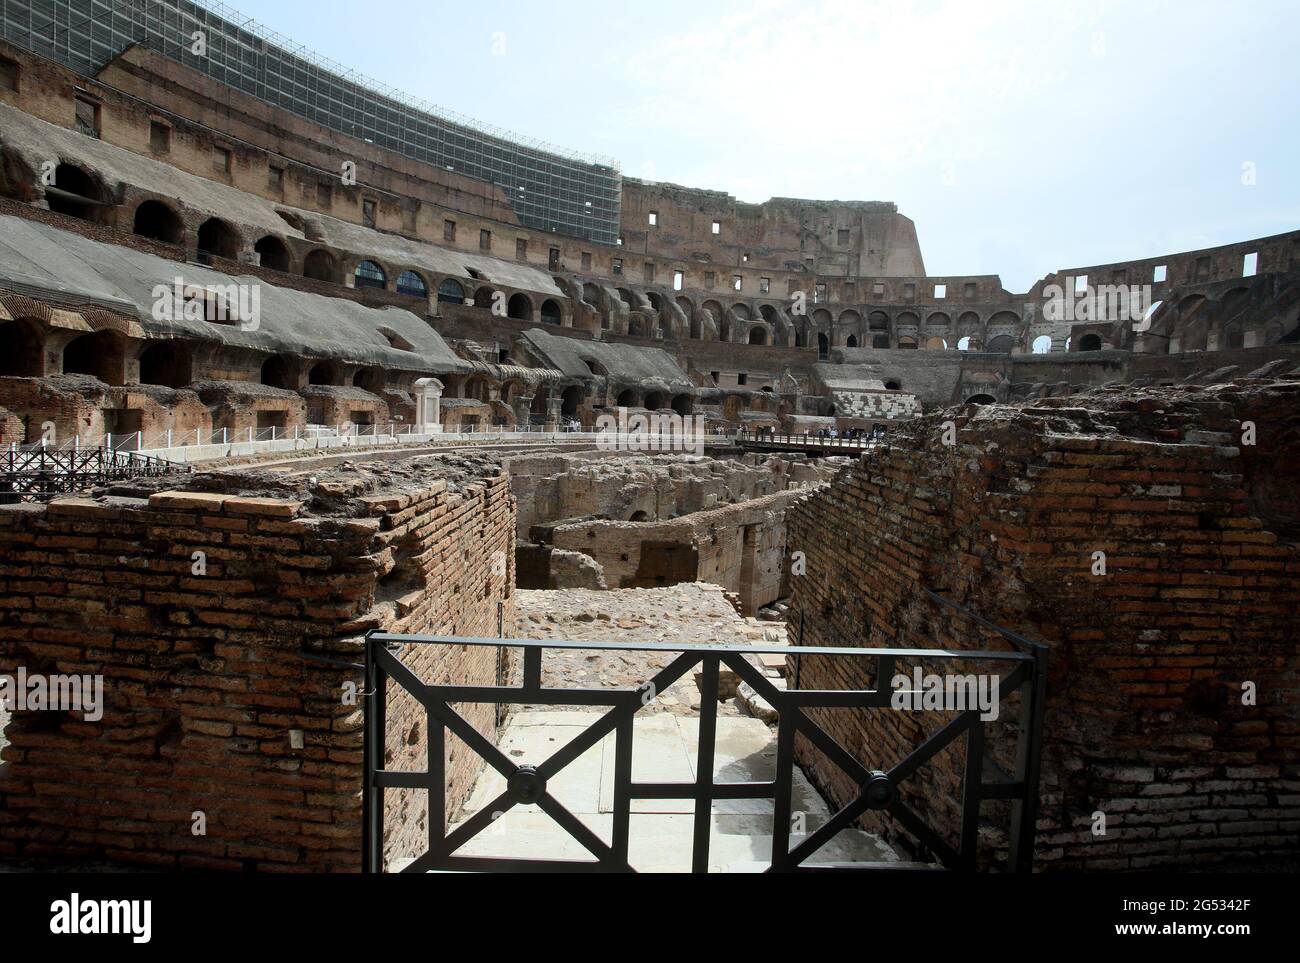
(269, 389)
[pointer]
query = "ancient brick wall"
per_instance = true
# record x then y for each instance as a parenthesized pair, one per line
(1145, 716)
(209, 704)
(740, 547)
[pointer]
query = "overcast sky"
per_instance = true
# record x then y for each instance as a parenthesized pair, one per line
(1020, 136)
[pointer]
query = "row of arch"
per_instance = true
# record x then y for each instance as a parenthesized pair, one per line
(169, 363)
(76, 193)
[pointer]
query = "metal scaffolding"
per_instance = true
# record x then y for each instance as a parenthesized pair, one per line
(551, 189)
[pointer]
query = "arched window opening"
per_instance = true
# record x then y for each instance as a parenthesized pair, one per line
(627, 398)
(75, 193)
(275, 373)
(320, 265)
(570, 398)
(851, 341)
(218, 239)
(369, 275)
(1090, 342)
(450, 292)
(100, 354)
(981, 399)
(1042, 344)
(520, 307)
(551, 313)
(323, 373)
(412, 285)
(272, 253)
(369, 379)
(155, 220)
(682, 404)
(166, 363)
(654, 401)
(757, 335)
(823, 347)
(22, 349)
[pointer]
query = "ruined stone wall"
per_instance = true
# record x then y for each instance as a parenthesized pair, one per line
(740, 547)
(1145, 718)
(206, 690)
(619, 485)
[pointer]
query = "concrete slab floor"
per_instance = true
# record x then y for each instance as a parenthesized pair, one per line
(660, 831)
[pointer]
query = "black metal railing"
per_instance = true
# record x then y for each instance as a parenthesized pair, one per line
(39, 472)
(1022, 670)
(804, 440)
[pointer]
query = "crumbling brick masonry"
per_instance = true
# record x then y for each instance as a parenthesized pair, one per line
(196, 606)
(1148, 716)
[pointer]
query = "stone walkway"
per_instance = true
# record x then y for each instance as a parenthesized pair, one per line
(693, 613)
(665, 738)
(659, 830)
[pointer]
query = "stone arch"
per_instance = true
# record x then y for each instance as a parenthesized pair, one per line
(1089, 342)
(483, 297)
(520, 307)
(654, 400)
(1042, 344)
(77, 193)
(451, 291)
(626, 398)
(220, 238)
(101, 354)
(851, 322)
(937, 325)
(851, 341)
(758, 334)
(878, 321)
(370, 379)
(936, 343)
(324, 372)
(22, 348)
(368, 274)
(981, 399)
(907, 341)
(321, 265)
(272, 252)
(682, 404)
(551, 313)
(823, 346)
(412, 284)
(277, 372)
(156, 220)
(591, 294)
(570, 398)
(166, 363)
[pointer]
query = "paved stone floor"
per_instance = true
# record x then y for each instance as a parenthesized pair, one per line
(694, 613)
(660, 830)
(665, 738)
